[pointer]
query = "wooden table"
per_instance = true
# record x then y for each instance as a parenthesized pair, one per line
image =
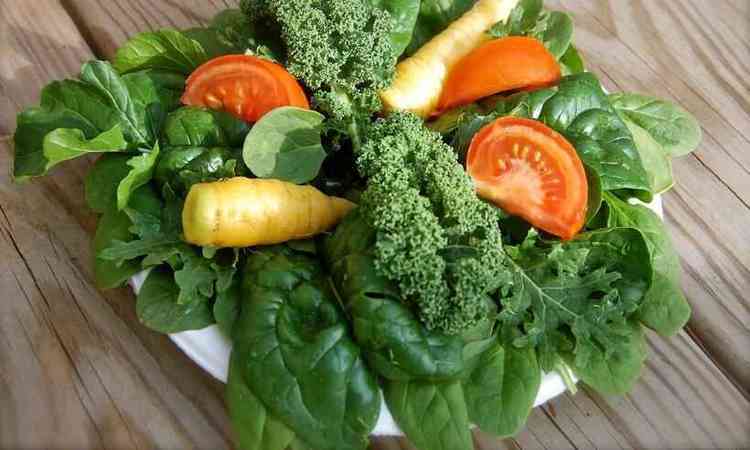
(78, 371)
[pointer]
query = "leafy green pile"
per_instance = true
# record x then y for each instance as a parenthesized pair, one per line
(449, 305)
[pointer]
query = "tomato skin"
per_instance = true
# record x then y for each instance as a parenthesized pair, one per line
(500, 65)
(245, 86)
(530, 171)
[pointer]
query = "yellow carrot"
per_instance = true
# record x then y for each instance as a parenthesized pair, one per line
(420, 78)
(242, 212)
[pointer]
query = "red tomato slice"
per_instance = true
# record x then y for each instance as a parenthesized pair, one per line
(531, 171)
(500, 65)
(243, 85)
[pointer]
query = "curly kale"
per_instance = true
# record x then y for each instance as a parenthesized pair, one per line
(436, 240)
(339, 48)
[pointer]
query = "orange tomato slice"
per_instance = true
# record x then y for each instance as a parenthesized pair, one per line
(245, 86)
(531, 171)
(500, 65)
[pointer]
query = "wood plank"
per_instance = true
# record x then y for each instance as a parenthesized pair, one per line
(33, 55)
(712, 243)
(106, 25)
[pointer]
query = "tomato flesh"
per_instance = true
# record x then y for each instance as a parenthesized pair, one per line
(530, 171)
(245, 86)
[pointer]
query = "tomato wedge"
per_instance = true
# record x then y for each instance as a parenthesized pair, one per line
(531, 171)
(245, 86)
(499, 65)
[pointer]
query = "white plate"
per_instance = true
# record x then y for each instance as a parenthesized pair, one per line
(210, 349)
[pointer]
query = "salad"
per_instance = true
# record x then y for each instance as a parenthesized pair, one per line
(424, 204)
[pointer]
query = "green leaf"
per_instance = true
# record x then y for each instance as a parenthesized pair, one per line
(234, 27)
(285, 144)
(432, 415)
(254, 428)
(142, 167)
(132, 117)
(199, 127)
(158, 309)
(501, 390)
(655, 159)
(113, 227)
(556, 32)
(297, 357)
(664, 309)
(227, 307)
(403, 15)
(435, 16)
(212, 42)
(594, 202)
(102, 180)
(678, 132)
(164, 49)
(614, 373)
(63, 144)
(571, 62)
(119, 252)
(65, 104)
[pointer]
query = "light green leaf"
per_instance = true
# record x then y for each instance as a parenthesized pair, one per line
(164, 49)
(285, 144)
(655, 159)
(63, 144)
(571, 62)
(140, 174)
(557, 32)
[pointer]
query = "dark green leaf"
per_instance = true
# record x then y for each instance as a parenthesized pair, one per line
(297, 357)
(435, 16)
(142, 167)
(432, 415)
(158, 309)
(254, 428)
(164, 49)
(102, 180)
(113, 226)
(227, 307)
(404, 15)
(285, 144)
(678, 132)
(556, 32)
(594, 202)
(571, 62)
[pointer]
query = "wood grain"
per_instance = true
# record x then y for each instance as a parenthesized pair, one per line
(105, 381)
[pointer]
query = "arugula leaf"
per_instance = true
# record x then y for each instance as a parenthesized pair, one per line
(664, 308)
(614, 372)
(285, 144)
(142, 167)
(63, 144)
(157, 306)
(655, 159)
(678, 132)
(165, 49)
(501, 390)
(556, 284)
(113, 226)
(432, 415)
(297, 357)
(254, 427)
(403, 15)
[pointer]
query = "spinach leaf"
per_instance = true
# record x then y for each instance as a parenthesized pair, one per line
(102, 179)
(555, 30)
(571, 62)
(182, 167)
(154, 93)
(132, 116)
(199, 127)
(655, 159)
(395, 342)
(67, 104)
(678, 132)
(664, 309)
(254, 427)
(63, 144)
(432, 415)
(556, 284)
(113, 226)
(501, 390)
(142, 167)
(521, 21)
(158, 309)
(296, 355)
(227, 307)
(285, 144)
(614, 372)
(212, 42)
(594, 202)
(404, 15)
(164, 49)
(435, 16)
